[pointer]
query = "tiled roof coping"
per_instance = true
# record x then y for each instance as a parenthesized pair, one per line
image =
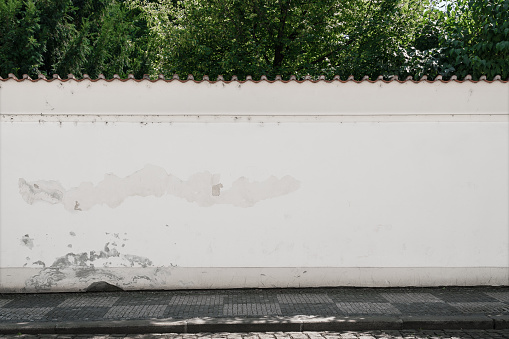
(249, 78)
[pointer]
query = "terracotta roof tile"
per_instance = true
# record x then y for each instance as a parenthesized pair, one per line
(234, 78)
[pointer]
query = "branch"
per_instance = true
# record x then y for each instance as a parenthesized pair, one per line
(323, 57)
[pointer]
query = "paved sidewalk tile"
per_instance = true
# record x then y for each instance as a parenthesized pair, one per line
(85, 301)
(291, 298)
(197, 300)
(367, 308)
(438, 308)
(481, 307)
(411, 298)
(463, 295)
(24, 314)
(77, 313)
(327, 309)
(133, 312)
(193, 311)
(367, 296)
(340, 306)
(261, 297)
(501, 296)
(30, 300)
(251, 310)
(4, 302)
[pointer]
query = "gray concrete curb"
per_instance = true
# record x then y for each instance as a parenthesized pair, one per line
(501, 322)
(470, 322)
(267, 324)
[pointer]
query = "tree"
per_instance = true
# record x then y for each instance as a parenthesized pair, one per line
(476, 39)
(468, 37)
(254, 37)
(71, 36)
(378, 31)
(285, 37)
(20, 50)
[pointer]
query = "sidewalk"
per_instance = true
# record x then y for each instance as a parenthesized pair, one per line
(256, 310)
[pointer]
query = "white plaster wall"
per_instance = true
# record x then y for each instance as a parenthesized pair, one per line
(368, 202)
(264, 98)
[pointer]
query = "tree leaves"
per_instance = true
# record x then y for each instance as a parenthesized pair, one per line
(255, 37)
(477, 40)
(71, 36)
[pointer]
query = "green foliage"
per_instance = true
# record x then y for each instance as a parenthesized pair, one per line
(469, 37)
(71, 36)
(476, 39)
(20, 50)
(118, 44)
(285, 37)
(254, 37)
(380, 28)
(161, 19)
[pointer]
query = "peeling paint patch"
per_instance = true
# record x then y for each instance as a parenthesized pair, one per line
(49, 191)
(68, 278)
(202, 188)
(137, 260)
(27, 241)
(83, 267)
(216, 190)
(46, 278)
(87, 259)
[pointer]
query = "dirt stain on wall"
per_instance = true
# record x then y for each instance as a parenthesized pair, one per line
(27, 241)
(202, 188)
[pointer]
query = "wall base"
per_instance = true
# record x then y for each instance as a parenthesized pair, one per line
(30, 280)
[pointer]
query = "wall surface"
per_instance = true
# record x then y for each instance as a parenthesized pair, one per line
(176, 185)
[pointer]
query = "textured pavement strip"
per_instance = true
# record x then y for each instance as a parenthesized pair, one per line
(368, 308)
(405, 334)
(265, 309)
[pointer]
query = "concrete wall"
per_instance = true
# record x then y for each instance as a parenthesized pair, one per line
(176, 185)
